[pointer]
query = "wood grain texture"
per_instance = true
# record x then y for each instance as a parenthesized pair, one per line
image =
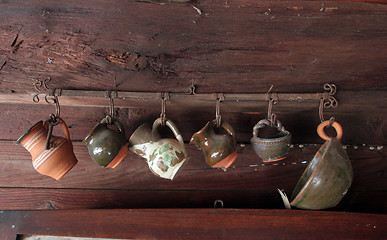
(50, 198)
(203, 224)
(241, 46)
(247, 172)
(220, 46)
(9, 222)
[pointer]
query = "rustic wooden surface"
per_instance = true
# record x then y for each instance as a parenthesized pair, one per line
(197, 224)
(48, 199)
(246, 46)
(220, 46)
(132, 184)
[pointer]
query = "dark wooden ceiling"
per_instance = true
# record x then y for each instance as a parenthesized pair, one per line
(220, 46)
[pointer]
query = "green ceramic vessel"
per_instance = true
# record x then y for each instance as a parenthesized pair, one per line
(105, 144)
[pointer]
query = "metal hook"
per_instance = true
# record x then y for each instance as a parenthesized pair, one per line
(53, 120)
(37, 85)
(164, 98)
(55, 101)
(328, 101)
(273, 99)
(111, 95)
(111, 107)
(271, 116)
(192, 88)
(218, 117)
(218, 203)
(321, 113)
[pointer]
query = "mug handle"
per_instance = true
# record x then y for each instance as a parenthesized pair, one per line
(171, 126)
(228, 129)
(116, 123)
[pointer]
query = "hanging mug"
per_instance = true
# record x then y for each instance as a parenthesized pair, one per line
(219, 149)
(327, 177)
(55, 161)
(274, 147)
(164, 156)
(107, 147)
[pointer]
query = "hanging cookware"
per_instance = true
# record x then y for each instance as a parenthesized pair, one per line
(164, 156)
(51, 155)
(107, 146)
(219, 149)
(274, 147)
(327, 177)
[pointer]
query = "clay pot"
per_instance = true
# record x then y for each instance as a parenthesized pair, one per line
(327, 177)
(107, 147)
(271, 148)
(219, 149)
(55, 161)
(164, 156)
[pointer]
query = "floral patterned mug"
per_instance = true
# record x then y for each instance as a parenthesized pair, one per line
(164, 156)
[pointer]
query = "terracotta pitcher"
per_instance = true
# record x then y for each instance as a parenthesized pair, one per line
(55, 161)
(164, 156)
(107, 147)
(219, 149)
(327, 177)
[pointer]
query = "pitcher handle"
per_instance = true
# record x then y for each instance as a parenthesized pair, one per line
(263, 123)
(116, 123)
(65, 129)
(229, 130)
(171, 126)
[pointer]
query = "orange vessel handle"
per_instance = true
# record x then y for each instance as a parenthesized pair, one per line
(335, 125)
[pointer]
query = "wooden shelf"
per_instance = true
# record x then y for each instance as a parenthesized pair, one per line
(194, 224)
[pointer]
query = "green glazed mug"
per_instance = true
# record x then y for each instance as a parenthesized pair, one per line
(107, 147)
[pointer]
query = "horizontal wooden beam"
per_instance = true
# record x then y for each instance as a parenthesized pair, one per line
(348, 101)
(59, 198)
(195, 223)
(237, 46)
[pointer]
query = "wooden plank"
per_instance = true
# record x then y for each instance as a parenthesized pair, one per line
(137, 46)
(349, 101)
(9, 221)
(43, 198)
(203, 224)
(48, 198)
(247, 173)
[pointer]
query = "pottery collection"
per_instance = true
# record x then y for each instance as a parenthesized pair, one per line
(323, 184)
(219, 149)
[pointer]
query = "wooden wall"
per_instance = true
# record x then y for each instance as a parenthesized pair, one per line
(220, 46)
